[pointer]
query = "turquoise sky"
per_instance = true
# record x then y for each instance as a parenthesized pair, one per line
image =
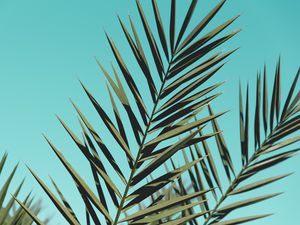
(47, 46)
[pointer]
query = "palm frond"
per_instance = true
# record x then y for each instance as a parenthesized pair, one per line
(9, 213)
(184, 63)
(281, 132)
(174, 122)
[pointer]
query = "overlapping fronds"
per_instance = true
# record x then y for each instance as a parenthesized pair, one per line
(9, 212)
(178, 87)
(275, 131)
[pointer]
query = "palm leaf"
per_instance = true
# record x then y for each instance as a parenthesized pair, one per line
(280, 127)
(281, 136)
(9, 213)
(179, 91)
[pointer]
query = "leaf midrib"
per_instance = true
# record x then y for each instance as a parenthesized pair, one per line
(133, 170)
(235, 182)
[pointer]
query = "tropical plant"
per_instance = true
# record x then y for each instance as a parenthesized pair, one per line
(274, 131)
(10, 214)
(179, 90)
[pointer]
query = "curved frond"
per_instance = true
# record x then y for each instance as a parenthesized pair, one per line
(281, 128)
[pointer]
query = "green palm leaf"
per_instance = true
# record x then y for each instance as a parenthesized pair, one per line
(9, 213)
(281, 132)
(179, 90)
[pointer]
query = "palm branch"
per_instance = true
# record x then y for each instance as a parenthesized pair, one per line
(275, 131)
(9, 213)
(177, 86)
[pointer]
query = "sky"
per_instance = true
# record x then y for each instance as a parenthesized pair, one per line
(46, 47)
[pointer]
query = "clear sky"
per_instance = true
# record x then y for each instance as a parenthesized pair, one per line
(46, 46)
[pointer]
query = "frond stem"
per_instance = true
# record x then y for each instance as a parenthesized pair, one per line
(236, 180)
(134, 168)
